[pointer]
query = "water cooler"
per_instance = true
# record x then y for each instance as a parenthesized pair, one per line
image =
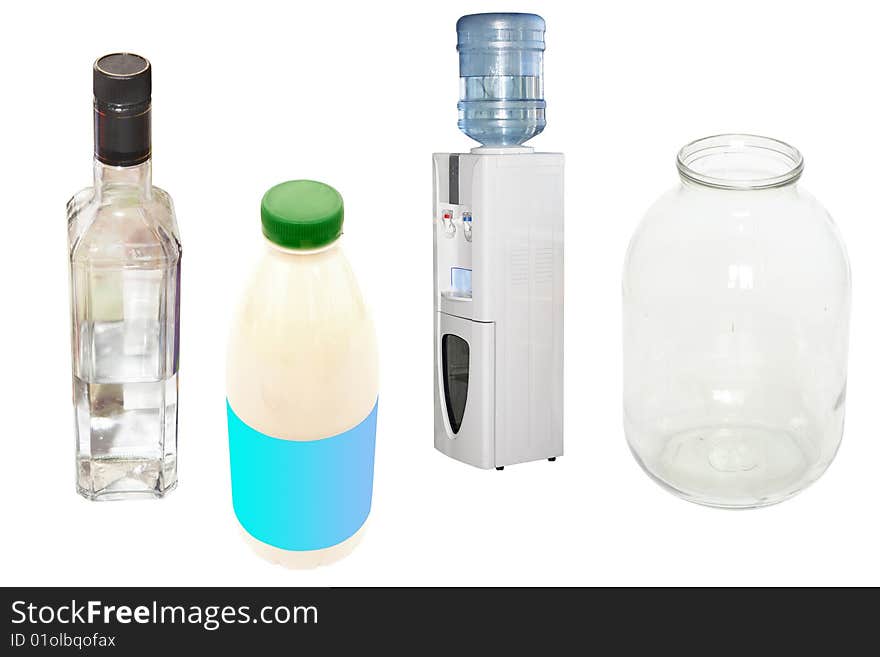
(498, 257)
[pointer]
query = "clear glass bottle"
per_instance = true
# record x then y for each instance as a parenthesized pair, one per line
(125, 300)
(736, 303)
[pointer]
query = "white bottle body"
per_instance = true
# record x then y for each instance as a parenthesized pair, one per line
(302, 363)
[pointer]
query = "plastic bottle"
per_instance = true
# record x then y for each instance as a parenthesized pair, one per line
(302, 386)
(501, 64)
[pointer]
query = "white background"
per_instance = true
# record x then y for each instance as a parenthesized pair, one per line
(359, 95)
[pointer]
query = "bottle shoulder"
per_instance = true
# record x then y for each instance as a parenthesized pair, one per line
(120, 228)
(303, 301)
(702, 235)
(687, 217)
(302, 288)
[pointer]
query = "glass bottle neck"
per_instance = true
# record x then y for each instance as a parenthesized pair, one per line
(780, 190)
(740, 162)
(136, 179)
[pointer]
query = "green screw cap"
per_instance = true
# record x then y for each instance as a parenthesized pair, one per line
(302, 214)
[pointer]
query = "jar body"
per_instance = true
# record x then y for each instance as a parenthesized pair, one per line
(736, 311)
(302, 367)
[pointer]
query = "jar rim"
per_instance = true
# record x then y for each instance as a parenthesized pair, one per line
(740, 161)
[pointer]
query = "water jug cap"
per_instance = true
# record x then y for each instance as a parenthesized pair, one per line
(302, 214)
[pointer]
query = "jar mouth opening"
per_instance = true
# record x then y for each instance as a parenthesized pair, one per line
(740, 161)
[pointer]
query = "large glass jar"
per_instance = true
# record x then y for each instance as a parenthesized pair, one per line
(736, 303)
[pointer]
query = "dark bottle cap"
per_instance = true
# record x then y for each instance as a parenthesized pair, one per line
(122, 80)
(122, 84)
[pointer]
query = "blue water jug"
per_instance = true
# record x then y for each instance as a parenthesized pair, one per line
(501, 61)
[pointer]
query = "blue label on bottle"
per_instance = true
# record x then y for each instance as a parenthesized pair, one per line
(302, 495)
